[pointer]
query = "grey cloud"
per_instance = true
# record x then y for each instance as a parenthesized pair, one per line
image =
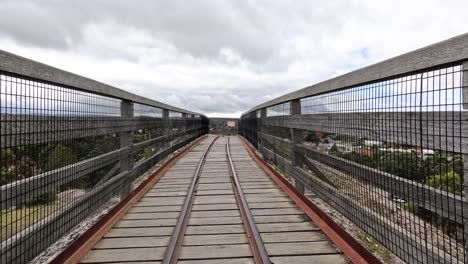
(255, 30)
(220, 56)
(200, 28)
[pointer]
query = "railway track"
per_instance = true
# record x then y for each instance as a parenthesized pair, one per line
(257, 247)
(215, 205)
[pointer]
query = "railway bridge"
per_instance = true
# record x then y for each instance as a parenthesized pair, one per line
(367, 167)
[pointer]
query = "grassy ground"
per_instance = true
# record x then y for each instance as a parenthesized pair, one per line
(16, 220)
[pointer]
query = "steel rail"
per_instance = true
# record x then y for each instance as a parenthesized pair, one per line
(255, 240)
(173, 249)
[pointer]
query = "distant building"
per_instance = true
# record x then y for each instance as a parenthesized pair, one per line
(391, 150)
(231, 123)
(365, 152)
(424, 152)
(373, 143)
(223, 126)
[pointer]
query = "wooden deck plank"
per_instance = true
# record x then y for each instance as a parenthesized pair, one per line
(256, 191)
(218, 261)
(213, 192)
(166, 194)
(133, 242)
(163, 200)
(140, 232)
(300, 248)
(259, 186)
(219, 213)
(301, 236)
(215, 199)
(155, 209)
(266, 195)
(282, 227)
(215, 251)
(196, 240)
(253, 199)
(263, 219)
(215, 229)
(161, 215)
(211, 207)
(124, 254)
(277, 211)
(146, 223)
(313, 259)
(204, 180)
(272, 205)
(214, 186)
(215, 221)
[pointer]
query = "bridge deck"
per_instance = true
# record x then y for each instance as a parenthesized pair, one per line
(215, 232)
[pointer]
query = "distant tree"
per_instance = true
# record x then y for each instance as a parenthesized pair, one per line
(7, 158)
(148, 152)
(441, 163)
(60, 156)
(449, 182)
(391, 145)
(6, 176)
(138, 137)
(312, 137)
(404, 164)
(25, 167)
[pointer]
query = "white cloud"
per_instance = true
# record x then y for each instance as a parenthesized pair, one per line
(221, 57)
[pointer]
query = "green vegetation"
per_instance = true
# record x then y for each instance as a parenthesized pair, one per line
(15, 220)
(449, 182)
(410, 207)
(41, 199)
(404, 164)
(60, 156)
(441, 170)
(312, 137)
(26, 161)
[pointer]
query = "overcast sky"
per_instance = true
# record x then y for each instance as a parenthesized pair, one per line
(221, 57)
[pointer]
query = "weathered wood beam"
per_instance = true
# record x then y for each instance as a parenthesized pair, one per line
(24, 130)
(24, 190)
(446, 131)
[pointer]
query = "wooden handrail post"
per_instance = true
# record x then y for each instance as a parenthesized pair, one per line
(296, 138)
(126, 140)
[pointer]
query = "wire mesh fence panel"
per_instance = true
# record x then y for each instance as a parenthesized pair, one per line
(390, 155)
(65, 152)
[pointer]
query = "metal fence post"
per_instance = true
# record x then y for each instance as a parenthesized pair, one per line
(126, 140)
(296, 138)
